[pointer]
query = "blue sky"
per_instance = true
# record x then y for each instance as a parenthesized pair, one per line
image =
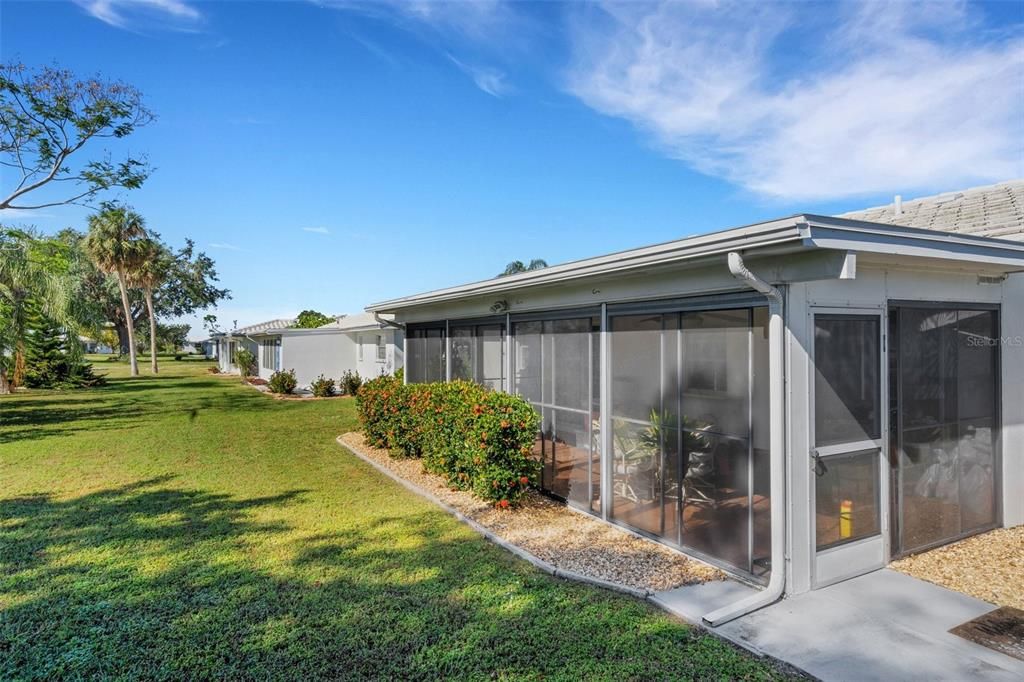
(332, 154)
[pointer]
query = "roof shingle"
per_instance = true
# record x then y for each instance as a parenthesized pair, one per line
(991, 211)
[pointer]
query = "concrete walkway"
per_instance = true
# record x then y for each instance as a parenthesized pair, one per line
(880, 626)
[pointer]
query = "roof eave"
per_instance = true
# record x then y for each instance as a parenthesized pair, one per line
(805, 231)
(760, 235)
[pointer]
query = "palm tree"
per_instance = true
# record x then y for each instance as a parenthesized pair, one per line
(517, 266)
(116, 243)
(148, 275)
(27, 275)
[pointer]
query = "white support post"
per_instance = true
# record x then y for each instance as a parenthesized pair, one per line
(447, 346)
(507, 383)
(607, 462)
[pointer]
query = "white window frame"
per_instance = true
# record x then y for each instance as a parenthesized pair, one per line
(359, 346)
(382, 348)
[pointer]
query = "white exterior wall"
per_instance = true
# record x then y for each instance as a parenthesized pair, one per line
(311, 355)
(873, 288)
(366, 362)
(1013, 400)
(331, 353)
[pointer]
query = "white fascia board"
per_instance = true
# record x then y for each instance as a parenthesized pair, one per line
(301, 331)
(858, 236)
(760, 235)
(806, 231)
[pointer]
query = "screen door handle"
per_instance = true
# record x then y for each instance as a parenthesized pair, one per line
(819, 467)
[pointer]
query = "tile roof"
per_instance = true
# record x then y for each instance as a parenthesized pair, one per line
(357, 321)
(279, 323)
(991, 211)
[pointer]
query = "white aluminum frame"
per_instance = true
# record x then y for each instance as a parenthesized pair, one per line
(848, 560)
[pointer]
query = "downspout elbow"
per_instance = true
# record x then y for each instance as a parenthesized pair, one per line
(387, 323)
(741, 272)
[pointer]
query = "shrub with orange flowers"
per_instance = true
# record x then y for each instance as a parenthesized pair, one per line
(477, 439)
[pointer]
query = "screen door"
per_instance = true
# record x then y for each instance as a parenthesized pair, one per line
(848, 428)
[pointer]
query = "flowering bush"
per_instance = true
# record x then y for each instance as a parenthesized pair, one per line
(350, 382)
(323, 387)
(477, 439)
(283, 381)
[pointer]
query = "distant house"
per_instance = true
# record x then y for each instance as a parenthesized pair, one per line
(208, 347)
(228, 343)
(798, 401)
(358, 343)
(90, 345)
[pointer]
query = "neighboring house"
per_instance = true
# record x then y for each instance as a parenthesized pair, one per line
(90, 345)
(228, 343)
(797, 401)
(357, 343)
(208, 347)
(378, 347)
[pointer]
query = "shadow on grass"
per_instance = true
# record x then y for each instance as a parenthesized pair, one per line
(150, 581)
(115, 407)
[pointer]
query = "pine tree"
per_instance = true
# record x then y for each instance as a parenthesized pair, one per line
(51, 359)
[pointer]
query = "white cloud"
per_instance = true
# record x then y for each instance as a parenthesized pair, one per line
(474, 19)
(492, 81)
(25, 214)
(317, 230)
(127, 13)
(896, 97)
(223, 246)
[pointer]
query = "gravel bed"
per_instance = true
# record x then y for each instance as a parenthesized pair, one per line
(564, 538)
(989, 566)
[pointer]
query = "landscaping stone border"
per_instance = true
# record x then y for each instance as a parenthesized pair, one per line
(496, 539)
(652, 597)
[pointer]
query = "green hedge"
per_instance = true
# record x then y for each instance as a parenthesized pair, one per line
(477, 439)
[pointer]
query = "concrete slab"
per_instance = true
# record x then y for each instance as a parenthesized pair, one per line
(691, 602)
(880, 626)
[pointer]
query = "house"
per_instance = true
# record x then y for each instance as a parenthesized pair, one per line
(91, 345)
(797, 401)
(228, 343)
(358, 343)
(208, 347)
(378, 345)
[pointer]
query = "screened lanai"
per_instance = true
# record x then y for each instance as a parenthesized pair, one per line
(686, 457)
(891, 421)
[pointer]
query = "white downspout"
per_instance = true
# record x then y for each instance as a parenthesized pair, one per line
(383, 321)
(777, 449)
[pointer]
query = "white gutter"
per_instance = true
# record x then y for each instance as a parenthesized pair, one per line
(777, 449)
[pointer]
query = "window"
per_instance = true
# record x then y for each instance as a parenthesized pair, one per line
(557, 370)
(426, 358)
(270, 354)
(945, 377)
(688, 466)
(359, 346)
(382, 348)
(478, 353)
(847, 392)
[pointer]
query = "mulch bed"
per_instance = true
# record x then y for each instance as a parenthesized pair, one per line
(560, 536)
(989, 566)
(261, 386)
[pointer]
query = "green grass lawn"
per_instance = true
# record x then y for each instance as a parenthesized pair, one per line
(187, 526)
